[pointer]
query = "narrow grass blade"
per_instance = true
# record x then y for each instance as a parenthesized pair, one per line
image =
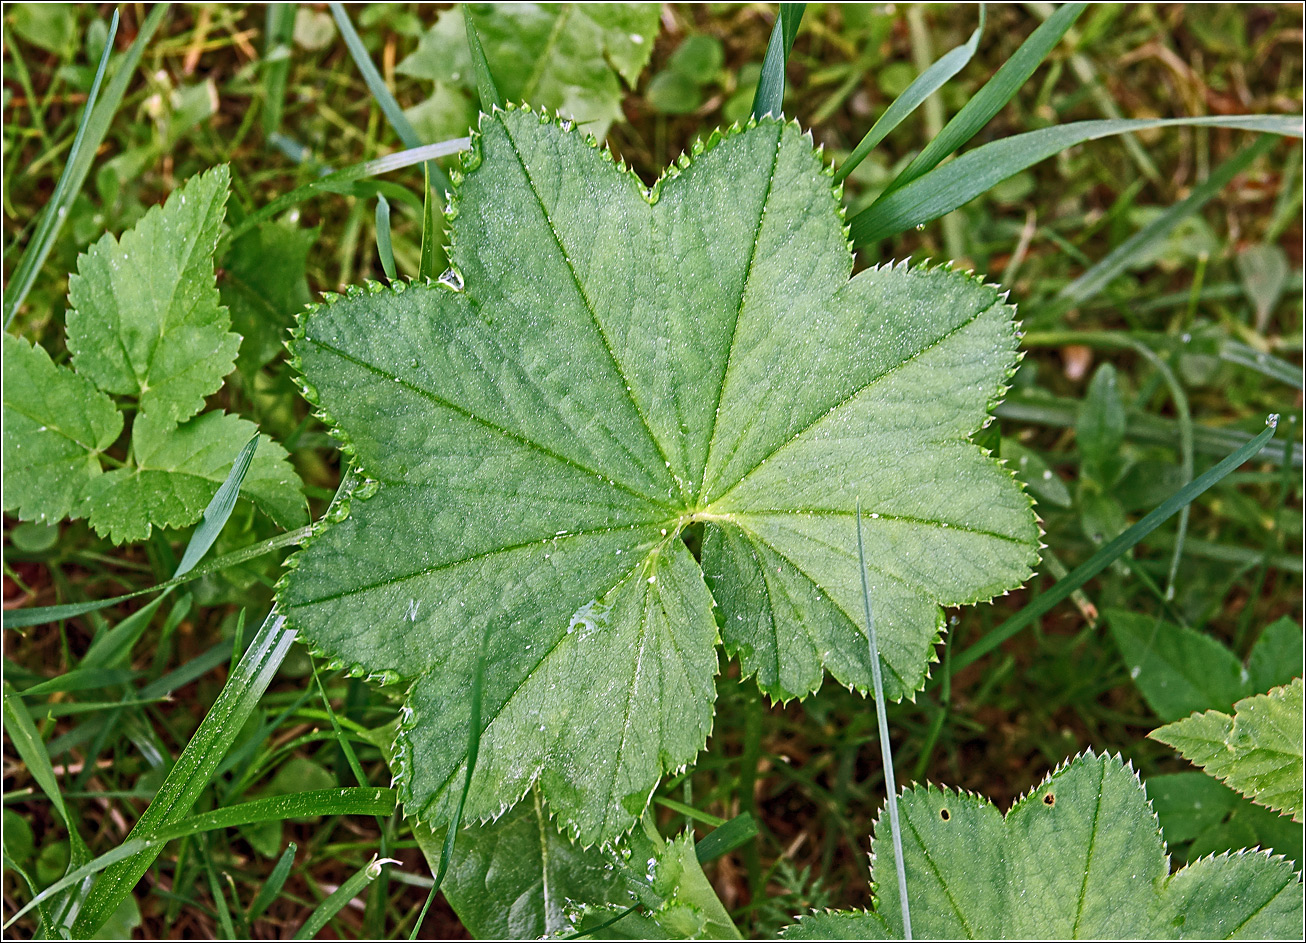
(383, 247)
(769, 97)
(369, 801)
(726, 838)
(431, 241)
(994, 95)
(1265, 364)
(278, 37)
(376, 85)
(273, 885)
(57, 209)
(31, 750)
(882, 718)
(925, 85)
(333, 183)
(346, 892)
(1111, 551)
(24, 618)
(96, 126)
(80, 679)
(473, 750)
(218, 511)
(193, 769)
(1091, 282)
(485, 87)
(958, 182)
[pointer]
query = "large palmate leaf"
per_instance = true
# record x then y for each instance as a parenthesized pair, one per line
(607, 367)
(565, 55)
(56, 425)
(1079, 857)
(146, 318)
(1257, 751)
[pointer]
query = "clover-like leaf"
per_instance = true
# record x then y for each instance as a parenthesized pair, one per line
(56, 425)
(1080, 857)
(608, 369)
(567, 55)
(178, 469)
(146, 319)
(1258, 750)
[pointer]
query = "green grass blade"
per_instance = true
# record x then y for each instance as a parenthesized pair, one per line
(882, 719)
(473, 750)
(31, 750)
(958, 182)
(273, 885)
(25, 618)
(925, 85)
(1265, 364)
(383, 247)
(193, 769)
(346, 892)
(218, 511)
(1111, 551)
(431, 241)
(333, 183)
(278, 40)
(726, 838)
(70, 181)
(994, 95)
(485, 87)
(1091, 282)
(769, 97)
(356, 801)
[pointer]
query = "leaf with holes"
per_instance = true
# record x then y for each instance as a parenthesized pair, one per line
(607, 370)
(1080, 857)
(1257, 751)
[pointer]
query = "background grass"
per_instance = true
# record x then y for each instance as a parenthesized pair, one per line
(810, 772)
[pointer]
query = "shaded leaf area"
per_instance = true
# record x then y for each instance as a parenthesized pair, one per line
(148, 326)
(1180, 670)
(617, 364)
(519, 878)
(1202, 816)
(568, 56)
(1257, 750)
(1081, 856)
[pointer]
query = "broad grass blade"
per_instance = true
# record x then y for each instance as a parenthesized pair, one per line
(769, 97)
(958, 182)
(383, 247)
(485, 87)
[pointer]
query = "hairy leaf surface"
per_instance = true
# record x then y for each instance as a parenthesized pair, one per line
(146, 318)
(1080, 857)
(607, 366)
(56, 425)
(1257, 751)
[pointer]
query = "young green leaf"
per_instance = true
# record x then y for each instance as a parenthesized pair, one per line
(1080, 857)
(1180, 671)
(607, 366)
(56, 425)
(263, 283)
(564, 55)
(178, 470)
(147, 320)
(1257, 751)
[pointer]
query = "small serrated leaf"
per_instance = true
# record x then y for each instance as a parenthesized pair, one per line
(1079, 857)
(55, 425)
(178, 470)
(145, 317)
(1258, 750)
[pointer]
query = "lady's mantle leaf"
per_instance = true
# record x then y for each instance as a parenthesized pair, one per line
(1079, 857)
(617, 365)
(56, 425)
(147, 320)
(179, 468)
(1257, 751)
